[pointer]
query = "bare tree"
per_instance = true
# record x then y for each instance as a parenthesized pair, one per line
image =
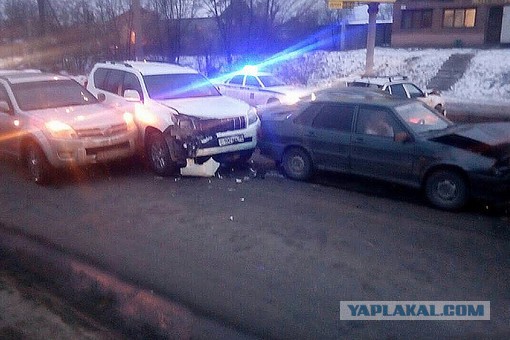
(175, 14)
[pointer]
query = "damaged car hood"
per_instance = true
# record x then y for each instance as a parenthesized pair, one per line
(489, 139)
(217, 107)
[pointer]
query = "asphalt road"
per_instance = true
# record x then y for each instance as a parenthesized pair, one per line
(270, 256)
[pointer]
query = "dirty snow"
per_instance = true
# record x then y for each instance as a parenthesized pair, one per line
(486, 81)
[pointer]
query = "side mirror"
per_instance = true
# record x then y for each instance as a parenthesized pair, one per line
(4, 107)
(402, 137)
(101, 97)
(132, 96)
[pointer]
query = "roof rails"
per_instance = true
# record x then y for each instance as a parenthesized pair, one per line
(389, 78)
(112, 62)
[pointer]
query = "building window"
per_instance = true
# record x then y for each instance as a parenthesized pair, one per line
(416, 19)
(459, 18)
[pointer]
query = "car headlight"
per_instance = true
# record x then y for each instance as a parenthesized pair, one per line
(129, 119)
(144, 116)
(252, 116)
(60, 130)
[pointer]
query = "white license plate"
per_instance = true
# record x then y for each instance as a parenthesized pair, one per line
(230, 140)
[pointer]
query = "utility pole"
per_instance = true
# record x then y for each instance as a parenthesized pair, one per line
(373, 9)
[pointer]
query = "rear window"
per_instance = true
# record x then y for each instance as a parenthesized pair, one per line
(51, 94)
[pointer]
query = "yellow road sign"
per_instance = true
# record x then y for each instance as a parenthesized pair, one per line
(342, 4)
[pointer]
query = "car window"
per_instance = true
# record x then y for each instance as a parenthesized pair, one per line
(364, 84)
(113, 81)
(4, 97)
(252, 81)
(398, 91)
(100, 78)
(308, 114)
(269, 81)
(50, 94)
(334, 117)
(131, 82)
(377, 122)
(413, 90)
(237, 80)
(421, 118)
(179, 85)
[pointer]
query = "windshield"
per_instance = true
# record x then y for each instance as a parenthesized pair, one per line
(270, 81)
(50, 94)
(420, 118)
(175, 86)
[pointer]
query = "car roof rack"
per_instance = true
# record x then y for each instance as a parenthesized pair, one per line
(112, 62)
(389, 78)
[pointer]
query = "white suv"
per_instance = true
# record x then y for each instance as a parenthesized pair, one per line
(51, 121)
(400, 86)
(179, 113)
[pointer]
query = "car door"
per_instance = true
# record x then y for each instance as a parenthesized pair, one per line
(254, 95)
(328, 135)
(235, 88)
(9, 124)
(374, 150)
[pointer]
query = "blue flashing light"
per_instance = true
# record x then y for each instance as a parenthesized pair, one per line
(251, 70)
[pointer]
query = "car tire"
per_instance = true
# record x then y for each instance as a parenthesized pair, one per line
(37, 165)
(158, 155)
(297, 164)
(447, 190)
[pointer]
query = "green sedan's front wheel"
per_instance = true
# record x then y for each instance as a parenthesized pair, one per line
(297, 164)
(447, 189)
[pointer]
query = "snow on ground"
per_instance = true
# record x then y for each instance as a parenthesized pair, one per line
(486, 81)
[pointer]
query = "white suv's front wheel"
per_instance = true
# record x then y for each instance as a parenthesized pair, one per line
(158, 155)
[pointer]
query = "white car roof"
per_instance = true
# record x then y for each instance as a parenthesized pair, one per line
(26, 77)
(149, 68)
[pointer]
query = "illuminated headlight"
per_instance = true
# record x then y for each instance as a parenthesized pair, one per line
(252, 116)
(57, 129)
(129, 119)
(144, 116)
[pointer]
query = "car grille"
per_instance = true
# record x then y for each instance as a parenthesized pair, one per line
(222, 125)
(102, 132)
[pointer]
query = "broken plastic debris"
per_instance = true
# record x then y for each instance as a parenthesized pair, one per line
(238, 180)
(242, 199)
(207, 169)
(231, 218)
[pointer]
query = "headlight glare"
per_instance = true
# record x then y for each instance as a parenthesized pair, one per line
(60, 130)
(129, 119)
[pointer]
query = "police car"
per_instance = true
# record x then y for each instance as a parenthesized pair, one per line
(400, 86)
(260, 88)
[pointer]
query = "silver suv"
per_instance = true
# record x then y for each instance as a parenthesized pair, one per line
(50, 121)
(179, 113)
(401, 87)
